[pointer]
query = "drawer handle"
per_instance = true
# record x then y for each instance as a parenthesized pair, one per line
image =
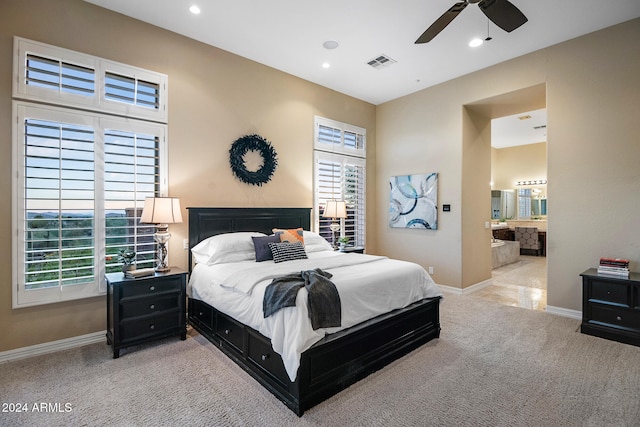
(227, 331)
(152, 306)
(152, 326)
(618, 317)
(264, 357)
(152, 288)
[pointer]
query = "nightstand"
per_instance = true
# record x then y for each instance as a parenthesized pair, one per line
(353, 249)
(145, 309)
(611, 306)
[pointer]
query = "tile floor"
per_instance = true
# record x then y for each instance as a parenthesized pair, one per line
(521, 284)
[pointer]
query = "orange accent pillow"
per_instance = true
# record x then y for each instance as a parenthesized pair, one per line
(292, 235)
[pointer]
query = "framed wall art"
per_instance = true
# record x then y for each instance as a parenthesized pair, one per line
(413, 201)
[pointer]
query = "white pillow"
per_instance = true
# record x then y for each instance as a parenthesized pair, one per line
(228, 247)
(313, 242)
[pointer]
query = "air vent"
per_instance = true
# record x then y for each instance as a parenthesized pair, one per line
(540, 127)
(381, 62)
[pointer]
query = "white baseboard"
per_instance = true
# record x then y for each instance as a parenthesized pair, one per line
(51, 347)
(468, 289)
(564, 312)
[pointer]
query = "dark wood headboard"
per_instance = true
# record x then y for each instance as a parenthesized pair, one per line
(207, 222)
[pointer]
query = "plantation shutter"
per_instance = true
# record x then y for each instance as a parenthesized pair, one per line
(59, 75)
(132, 173)
(341, 178)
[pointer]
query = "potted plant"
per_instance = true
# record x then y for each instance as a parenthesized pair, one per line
(128, 258)
(343, 242)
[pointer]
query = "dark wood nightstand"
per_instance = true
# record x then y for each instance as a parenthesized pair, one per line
(145, 309)
(611, 306)
(353, 249)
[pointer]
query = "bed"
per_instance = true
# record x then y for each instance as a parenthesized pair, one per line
(328, 365)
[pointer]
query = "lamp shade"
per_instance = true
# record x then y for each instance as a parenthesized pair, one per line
(335, 209)
(161, 210)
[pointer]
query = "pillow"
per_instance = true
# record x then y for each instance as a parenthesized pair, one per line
(228, 247)
(313, 242)
(261, 243)
(286, 251)
(291, 235)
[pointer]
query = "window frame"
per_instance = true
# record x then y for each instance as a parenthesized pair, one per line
(59, 106)
(339, 152)
(98, 102)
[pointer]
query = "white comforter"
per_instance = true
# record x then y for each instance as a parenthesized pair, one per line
(368, 286)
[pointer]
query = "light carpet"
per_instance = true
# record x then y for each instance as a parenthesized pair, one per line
(493, 365)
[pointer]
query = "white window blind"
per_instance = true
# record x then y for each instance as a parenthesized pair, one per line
(340, 176)
(59, 76)
(131, 173)
(84, 160)
(46, 73)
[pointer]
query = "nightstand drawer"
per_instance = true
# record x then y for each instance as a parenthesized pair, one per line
(149, 326)
(230, 331)
(615, 317)
(610, 291)
(142, 287)
(144, 306)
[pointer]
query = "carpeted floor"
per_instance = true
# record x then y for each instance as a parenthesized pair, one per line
(493, 365)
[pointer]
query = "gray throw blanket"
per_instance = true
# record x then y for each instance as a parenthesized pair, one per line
(323, 300)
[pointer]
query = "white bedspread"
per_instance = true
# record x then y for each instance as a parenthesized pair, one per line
(368, 286)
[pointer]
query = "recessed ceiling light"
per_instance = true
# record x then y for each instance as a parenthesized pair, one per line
(326, 65)
(330, 44)
(194, 9)
(475, 42)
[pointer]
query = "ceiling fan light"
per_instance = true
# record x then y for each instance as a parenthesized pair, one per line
(476, 42)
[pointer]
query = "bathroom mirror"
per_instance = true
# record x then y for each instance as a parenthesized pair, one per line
(503, 204)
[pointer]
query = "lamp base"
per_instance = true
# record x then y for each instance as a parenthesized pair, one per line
(162, 237)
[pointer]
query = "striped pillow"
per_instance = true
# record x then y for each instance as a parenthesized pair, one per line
(286, 251)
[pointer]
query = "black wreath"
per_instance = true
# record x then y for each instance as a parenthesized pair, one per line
(253, 143)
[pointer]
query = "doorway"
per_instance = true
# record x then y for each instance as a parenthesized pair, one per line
(519, 199)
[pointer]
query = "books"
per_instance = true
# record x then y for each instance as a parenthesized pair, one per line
(143, 272)
(614, 267)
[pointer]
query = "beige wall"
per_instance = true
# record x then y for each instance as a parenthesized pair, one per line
(524, 162)
(592, 94)
(214, 98)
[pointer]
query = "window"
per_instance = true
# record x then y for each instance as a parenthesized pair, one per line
(524, 203)
(339, 167)
(81, 171)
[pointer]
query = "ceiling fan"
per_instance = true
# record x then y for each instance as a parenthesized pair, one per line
(501, 12)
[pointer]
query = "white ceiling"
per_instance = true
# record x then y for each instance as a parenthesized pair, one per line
(289, 34)
(519, 129)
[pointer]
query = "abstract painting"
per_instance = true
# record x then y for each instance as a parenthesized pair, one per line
(413, 202)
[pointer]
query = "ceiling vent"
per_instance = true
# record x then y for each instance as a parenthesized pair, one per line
(381, 62)
(540, 127)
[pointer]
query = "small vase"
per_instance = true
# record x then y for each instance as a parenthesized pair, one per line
(128, 267)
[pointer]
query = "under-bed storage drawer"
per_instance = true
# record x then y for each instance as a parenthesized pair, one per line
(230, 332)
(202, 314)
(262, 355)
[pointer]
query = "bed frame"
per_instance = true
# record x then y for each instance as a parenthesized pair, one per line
(330, 365)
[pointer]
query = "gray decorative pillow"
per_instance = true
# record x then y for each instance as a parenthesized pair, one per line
(261, 245)
(286, 251)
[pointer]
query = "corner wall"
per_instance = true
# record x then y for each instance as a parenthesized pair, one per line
(592, 93)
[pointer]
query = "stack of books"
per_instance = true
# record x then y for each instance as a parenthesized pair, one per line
(142, 272)
(614, 267)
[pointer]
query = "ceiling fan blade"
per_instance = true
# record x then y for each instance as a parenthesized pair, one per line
(503, 13)
(441, 22)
